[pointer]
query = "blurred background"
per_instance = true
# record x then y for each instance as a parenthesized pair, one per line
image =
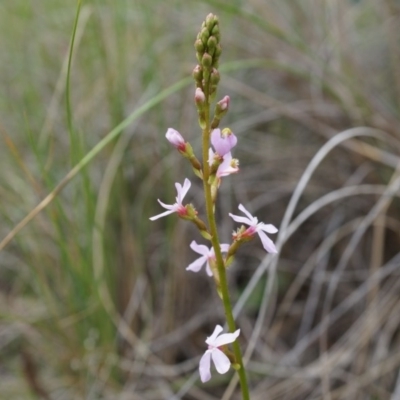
(95, 300)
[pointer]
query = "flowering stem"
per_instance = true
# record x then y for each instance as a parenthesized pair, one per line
(217, 249)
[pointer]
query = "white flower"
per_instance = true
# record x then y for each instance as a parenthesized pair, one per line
(221, 361)
(207, 256)
(178, 207)
(256, 227)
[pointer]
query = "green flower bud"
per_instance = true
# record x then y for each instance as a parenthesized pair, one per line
(214, 77)
(218, 50)
(211, 45)
(215, 32)
(204, 35)
(198, 75)
(221, 108)
(211, 21)
(199, 46)
(206, 61)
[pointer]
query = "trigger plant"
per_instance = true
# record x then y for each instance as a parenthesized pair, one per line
(215, 163)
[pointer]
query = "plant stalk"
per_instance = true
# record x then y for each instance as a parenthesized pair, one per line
(217, 250)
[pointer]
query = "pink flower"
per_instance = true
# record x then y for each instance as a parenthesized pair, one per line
(228, 166)
(224, 141)
(256, 227)
(176, 139)
(221, 361)
(178, 207)
(207, 256)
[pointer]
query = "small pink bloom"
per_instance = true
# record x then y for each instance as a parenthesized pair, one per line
(178, 207)
(207, 255)
(224, 141)
(176, 139)
(228, 166)
(221, 361)
(256, 227)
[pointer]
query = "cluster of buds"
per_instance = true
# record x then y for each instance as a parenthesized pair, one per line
(208, 51)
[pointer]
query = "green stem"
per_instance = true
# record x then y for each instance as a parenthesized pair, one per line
(218, 254)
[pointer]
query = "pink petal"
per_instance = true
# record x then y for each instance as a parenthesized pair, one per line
(221, 361)
(182, 190)
(225, 247)
(222, 143)
(199, 248)
(164, 214)
(226, 168)
(226, 338)
(241, 220)
(268, 244)
(196, 265)
(210, 340)
(204, 366)
(208, 269)
(269, 228)
(251, 218)
(172, 207)
(227, 171)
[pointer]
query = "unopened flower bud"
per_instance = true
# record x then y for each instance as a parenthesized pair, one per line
(199, 46)
(211, 21)
(221, 108)
(198, 75)
(204, 35)
(176, 139)
(223, 104)
(215, 32)
(211, 45)
(216, 55)
(199, 98)
(214, 77)
(206, 61)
